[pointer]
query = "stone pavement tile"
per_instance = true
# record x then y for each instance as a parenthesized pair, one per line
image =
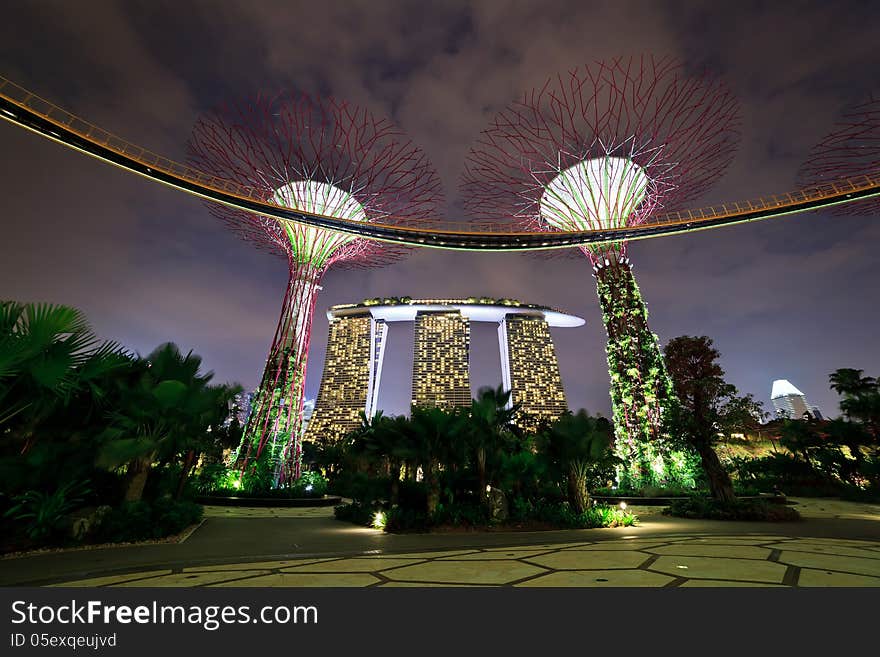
(542, 546)
(607, 546)
(584, 560)
(253, 565)
(811, 577)
(307, 579)
(721, 568)
(427, 555)
(843, 541)
(583, 578)
(192, 579)
(835, 541)
(857, 565)
(713, 583)
(749, 538)
(824, 548)
(465, 572)
(413, 585)
(499, 554)
(353, 565)
(703, 550)
(729, 541)
(112, 579)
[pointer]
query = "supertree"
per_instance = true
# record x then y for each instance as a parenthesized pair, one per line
(851, 150)
(323, 156)
(605, 146)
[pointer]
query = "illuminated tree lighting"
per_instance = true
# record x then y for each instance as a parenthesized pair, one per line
(606, 146)
(316, 155)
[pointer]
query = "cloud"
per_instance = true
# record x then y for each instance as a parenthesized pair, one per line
(788, 298)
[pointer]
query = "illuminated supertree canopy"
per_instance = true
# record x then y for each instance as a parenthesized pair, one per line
(605, 146)
(316, 155)
(851, 150)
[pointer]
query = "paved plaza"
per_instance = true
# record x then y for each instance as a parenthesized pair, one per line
(838, 544)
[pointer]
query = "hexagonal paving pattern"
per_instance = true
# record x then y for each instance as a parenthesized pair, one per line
(585, 578)
(570, 560)
(307, 580)
(193, 579)
(356, 565)
(721, 568)
(113, 579)
(704, 550)
(832, 562)
(697, 560)
(811, 577)
(465, 572)
(496, 554)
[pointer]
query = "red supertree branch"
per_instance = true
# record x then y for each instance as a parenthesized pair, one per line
(850, 151)
(316, 155)
(269, 142)
(679, 131)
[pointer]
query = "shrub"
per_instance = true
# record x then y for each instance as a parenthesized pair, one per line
(791, 475)
(42, 513)
(406, 519)
(708, 508)
(138, 521)
(310, 484)
(356, 512)
(560, 514)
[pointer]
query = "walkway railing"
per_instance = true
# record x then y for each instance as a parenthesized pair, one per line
(24, 108)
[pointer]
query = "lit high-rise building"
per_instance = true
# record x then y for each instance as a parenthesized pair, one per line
(344, 386)
(790, 402)
(530, 370)
(356, 353)
(441, 373)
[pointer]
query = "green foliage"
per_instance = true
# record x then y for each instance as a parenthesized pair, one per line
(640, 385)
(563, 516)
(575, 448)
(356, 512)
(42, 513)
(708, 508)
(139, 521)
(310, 484)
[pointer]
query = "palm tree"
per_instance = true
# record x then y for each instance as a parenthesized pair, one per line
(861, 397)
(850, 382)
(434, 434)
(490, 421)
(167, 408)
(47, 354)
(572, 444)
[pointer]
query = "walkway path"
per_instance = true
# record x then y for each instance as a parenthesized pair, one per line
(838, 544)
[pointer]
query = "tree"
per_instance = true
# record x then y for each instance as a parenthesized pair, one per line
(490, 422)
(861, 398)
(48, 353)
(434, 434)
(706, 406)
(571, 445)
(167, 410)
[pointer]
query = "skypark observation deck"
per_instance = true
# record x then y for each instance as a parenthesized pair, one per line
(441, 353)
(474, 309)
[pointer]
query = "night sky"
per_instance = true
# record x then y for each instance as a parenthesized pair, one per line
(787, 298)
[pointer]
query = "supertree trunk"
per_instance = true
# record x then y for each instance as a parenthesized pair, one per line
(640, 384)
(274, 428)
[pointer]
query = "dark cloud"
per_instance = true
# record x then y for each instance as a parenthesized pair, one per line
(791, 298)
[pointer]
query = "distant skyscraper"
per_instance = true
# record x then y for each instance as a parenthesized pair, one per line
(356, 351)
(791, 402)
(441, 375)
(344, 387)
(530, 370)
